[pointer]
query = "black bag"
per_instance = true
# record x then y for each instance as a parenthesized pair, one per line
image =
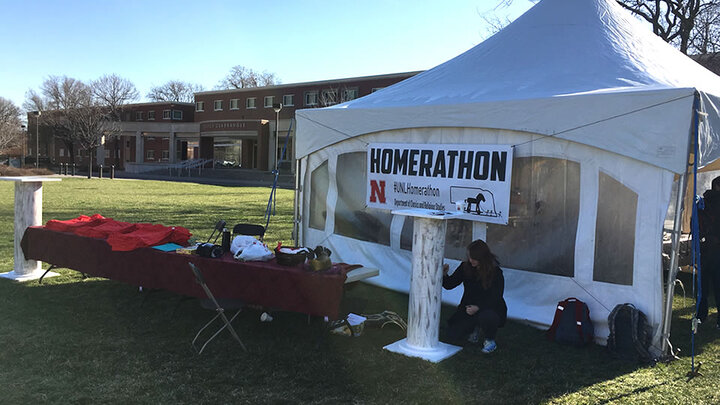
(630, 334)
(572, 324)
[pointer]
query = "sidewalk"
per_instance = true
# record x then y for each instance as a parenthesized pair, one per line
(231, 178)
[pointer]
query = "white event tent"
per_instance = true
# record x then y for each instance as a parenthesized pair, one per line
(600, 113)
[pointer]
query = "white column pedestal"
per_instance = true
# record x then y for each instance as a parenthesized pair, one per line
(28, 212)
(139, 147)
(425, 288)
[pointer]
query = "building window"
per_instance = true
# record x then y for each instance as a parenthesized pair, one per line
(374, 89)
(269, 100)
(165, 155)
(217, 105)
(250, 102)
(166, 114)
(234, 104)
(349, 94)
(199, 106)
(62, 152)
(177, 115)
(329, 97)
(150, 154)
(151, 115)
(311, 98)
(138, 116)
(289, 100)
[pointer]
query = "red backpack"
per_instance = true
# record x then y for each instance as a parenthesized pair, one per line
(572, 324)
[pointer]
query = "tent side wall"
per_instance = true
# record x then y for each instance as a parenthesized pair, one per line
(597, 220)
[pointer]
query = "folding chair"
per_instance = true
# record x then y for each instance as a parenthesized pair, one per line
(249, 229)
(212, 303)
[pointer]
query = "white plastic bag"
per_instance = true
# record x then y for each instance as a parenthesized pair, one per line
(255, 252)
(241, 242)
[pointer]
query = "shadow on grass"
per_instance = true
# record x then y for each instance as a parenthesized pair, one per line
(631, 393)
(77, 340)
(71, 340)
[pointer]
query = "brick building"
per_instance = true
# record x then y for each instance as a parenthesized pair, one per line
(240, 125)
(230, 128)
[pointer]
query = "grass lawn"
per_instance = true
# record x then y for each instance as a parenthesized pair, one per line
(96, 341)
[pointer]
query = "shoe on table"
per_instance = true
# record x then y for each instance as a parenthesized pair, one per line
(489, 346)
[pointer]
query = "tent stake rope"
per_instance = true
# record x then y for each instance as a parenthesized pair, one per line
(270, 208)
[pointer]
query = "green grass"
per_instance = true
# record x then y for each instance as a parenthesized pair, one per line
(75, 341)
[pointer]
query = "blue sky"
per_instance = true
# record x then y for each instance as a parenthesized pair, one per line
(150, 42)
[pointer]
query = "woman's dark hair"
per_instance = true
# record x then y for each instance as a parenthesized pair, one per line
(716, 183)
(487, 262)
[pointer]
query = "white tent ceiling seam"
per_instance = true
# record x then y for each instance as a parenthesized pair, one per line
(626, 125)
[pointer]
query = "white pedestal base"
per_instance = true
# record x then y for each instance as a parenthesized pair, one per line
(12, 275)
(436, 354)
(28, 212)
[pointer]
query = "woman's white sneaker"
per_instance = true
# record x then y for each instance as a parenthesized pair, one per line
(489, 346)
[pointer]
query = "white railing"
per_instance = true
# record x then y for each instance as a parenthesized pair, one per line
(187, 166)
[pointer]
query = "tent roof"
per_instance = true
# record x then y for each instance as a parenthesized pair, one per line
(565, 68)
(559, 47)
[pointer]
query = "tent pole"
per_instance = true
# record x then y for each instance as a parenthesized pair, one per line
(672, 272)
(295, 234)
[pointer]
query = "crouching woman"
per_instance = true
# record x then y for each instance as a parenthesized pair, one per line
(482, 304)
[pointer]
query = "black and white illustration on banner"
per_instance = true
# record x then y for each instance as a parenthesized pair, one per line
(477, 201)
(472, 180)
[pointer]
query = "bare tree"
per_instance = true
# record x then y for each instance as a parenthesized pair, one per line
(10, 125)
(493, 22)
(336, 95)
(59, 96)
(114, 92)
(63, 93)
(34, 101)
(241, 77)
(79, 114)
(92, 123)
(692, 26)
(705, 37)
(175, 90)
(672, 20)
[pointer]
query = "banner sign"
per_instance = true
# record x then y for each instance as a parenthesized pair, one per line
(471, 179)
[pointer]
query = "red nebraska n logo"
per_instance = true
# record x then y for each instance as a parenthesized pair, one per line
(377, 191)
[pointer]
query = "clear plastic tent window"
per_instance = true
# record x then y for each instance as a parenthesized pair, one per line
(457, 237)
(352, 218)
(319, 183)
(544, 205)
(615, 232)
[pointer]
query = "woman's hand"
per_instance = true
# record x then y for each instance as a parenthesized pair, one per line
(471, 309)
(446, 268)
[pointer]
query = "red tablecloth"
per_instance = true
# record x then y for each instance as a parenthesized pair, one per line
(262, 283)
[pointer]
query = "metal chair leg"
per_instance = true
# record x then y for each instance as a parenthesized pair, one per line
(52, 266)
(220, 314)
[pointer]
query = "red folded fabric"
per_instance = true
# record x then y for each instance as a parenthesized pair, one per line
(70, 224)
(103, 230)
(121, 236)
(148, 235)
